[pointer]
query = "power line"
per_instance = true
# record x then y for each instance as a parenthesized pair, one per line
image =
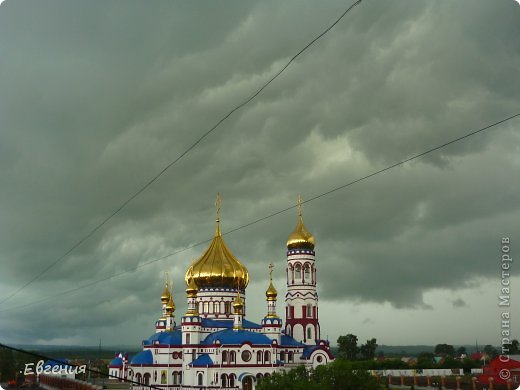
(39, 356)
(172, 163)
(281, 211)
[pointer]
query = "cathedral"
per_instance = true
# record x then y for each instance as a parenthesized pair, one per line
(215, 346)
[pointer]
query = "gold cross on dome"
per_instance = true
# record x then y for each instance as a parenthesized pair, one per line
(218, 203)
(271, 266)
(300, 202)
(166, 276)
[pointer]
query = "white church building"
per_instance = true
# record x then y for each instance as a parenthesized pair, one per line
(215, 346)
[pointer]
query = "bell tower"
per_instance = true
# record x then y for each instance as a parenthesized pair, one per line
(301, 300)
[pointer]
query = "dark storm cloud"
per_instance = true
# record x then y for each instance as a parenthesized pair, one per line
(96, 98)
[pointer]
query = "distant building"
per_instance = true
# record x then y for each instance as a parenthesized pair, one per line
(501, 368)
(215, 346)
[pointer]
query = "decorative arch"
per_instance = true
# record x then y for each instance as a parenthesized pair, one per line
(297, 332)
(298, 272)
(310, 332)
(307, 273)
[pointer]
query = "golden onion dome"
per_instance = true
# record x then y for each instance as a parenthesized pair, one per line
(166, 294)
(170, 306)
(192, 289)
(238, 304)
(300, 237)
(218, 267)
(271, 292)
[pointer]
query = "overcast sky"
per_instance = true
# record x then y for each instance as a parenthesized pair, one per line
(97, 97)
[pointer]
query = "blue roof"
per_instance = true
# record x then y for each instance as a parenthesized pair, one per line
(230, 336)
(165, 338)
(211, 323)
(144, 357)
(202, 361)
(117, 362)
(289, 341)
(53, 363)
(308, 350)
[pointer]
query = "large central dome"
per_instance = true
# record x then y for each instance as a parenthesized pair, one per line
(218, 267)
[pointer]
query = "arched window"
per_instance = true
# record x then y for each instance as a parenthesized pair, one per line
(200, 308)
(267, 357)
(180, 377)
(307, 273)
(309, 310)
(205, 309)
(216, 307)
(232, 380)
(224, 357)
(223, 379)
(298, 273)
(232, 357)
(309, 333)
(227, 307)
(200, 379)
(289, 330)
(290, 356)
(282, 356)
(174, 377)
(138, 378)
(259, 357)
(146, 378)
(188, 338)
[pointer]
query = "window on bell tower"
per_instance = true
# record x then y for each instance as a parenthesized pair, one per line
(298, 273)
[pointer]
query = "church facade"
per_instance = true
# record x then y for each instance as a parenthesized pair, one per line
(214, 346)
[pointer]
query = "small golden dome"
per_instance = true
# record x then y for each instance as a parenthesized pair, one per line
(300, 237)
(218, 267)
(166, 294)
(170, 306)
(192, 289)
(238, 304)
(271, 292)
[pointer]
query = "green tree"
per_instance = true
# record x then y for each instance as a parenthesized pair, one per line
(490, 351)
(425, 360)
(445, 350)
(337, 375)
(511, 348)
(347, 347)
(368, 350)
(461, 351)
